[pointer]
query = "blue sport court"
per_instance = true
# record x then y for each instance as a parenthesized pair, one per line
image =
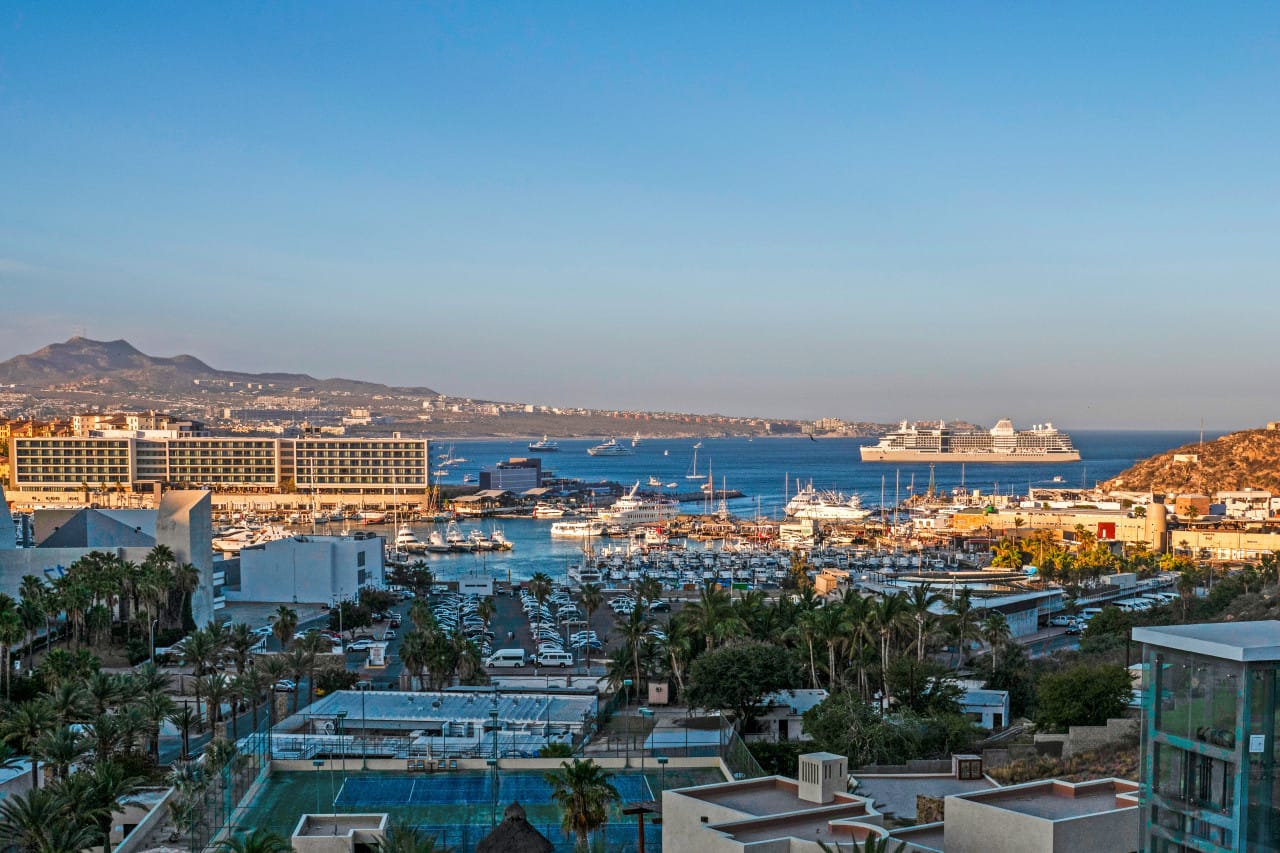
(459, 788)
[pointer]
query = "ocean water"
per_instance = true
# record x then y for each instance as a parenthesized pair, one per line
(765, 470)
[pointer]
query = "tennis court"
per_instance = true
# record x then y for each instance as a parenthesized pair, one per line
(527, 788)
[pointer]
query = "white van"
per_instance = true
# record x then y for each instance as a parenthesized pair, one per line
(506, 657)
(560, 659)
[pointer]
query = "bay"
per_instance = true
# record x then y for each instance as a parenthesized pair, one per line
(766, 471)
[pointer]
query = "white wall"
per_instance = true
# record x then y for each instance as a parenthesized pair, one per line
(310, 569)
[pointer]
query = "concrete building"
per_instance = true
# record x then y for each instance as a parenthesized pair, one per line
(1049, 816)
(183, 522)
(773, 814)
(1209, 751)
(517, 475)
(987, 708)
(138, 461)
(782, 716)
(309, 569)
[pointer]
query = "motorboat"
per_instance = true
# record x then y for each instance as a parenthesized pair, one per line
(407, 540)
(369, 516)
(826, 506)
(544, 446)
(234, 540)
(577, 529)
(610, 448)
(436, 543)
(500, 540)
(548, 511)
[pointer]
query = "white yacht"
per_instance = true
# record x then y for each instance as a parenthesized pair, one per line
(544, 446)
(233, 540)
(407, 540)
(610, 448)
(633, 509)
(826, 506)
(436, 543)
(577, 529)
(548, 511)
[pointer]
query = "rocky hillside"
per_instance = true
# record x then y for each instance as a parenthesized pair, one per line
(1249, 459)
(120, 365)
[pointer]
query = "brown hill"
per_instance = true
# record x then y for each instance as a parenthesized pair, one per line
(120, 365)
(1249, 459)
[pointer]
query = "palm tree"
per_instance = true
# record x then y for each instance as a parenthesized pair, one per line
(804, 631)
(961, 606)
(200, 651)
(23, 728)
(314, 645)
(712, 616)
(258, 841)
(540, 586)
(61, 748)
(185, 719)
(919, 601)
(995, 633)
(832, 627)
(592, 600)
(403, 837)
(240, 639)
(286, 623)
(12, 630)
(634, 632)
(887, 615)
(35, 594)
(156, 706)
(69, 702)
(583, 792)
(42, 821)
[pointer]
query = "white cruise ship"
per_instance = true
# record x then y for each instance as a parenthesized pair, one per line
(1003, 443)
(826, 506)
(610, 448)
(633, 509)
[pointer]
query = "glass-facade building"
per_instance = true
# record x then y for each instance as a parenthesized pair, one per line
(1209, 751)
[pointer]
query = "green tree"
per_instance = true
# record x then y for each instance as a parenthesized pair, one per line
(995, 632)
(584, 793)
(285, 625)
(924, 687)
(845, 724)
(1082, 695)
(23, 726)
(736, 678)
(403, 837)
(592, 600)
(257, 841)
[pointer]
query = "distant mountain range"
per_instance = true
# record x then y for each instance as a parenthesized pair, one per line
(1249, 459)
(118, 365)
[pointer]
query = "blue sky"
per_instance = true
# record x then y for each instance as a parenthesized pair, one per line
(866, 210)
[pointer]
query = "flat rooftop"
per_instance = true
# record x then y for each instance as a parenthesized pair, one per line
(1055, 800)
(810, 827)
(1237, 641)
(896, 795)
(338, 825)
(772, 795)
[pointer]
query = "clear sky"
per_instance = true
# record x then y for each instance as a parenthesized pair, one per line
(1065, 211)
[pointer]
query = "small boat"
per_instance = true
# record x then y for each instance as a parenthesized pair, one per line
(500, 540)
(672, 485)
(548, 511)
(468, 479)
(544, 446)
(370, 516)
(436, 543)
(610, 448)
(237, 538)
(654, 481)
(693, 466)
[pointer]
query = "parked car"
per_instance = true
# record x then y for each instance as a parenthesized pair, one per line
(360, 646)
(284, 685)
(390, 635)
(1062, 621)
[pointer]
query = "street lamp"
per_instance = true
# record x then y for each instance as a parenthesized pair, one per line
(493, 760)
(154, 623)
(644, 712)
(662, 762)
(342, 741)
(626, 682)
(317, 764)
(364, 734)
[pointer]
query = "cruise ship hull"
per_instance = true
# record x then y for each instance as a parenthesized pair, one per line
(875, 454)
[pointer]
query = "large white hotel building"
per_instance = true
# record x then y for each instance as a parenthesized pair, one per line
(143, 461)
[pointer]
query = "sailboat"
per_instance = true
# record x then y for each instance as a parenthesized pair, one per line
(693, 466)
